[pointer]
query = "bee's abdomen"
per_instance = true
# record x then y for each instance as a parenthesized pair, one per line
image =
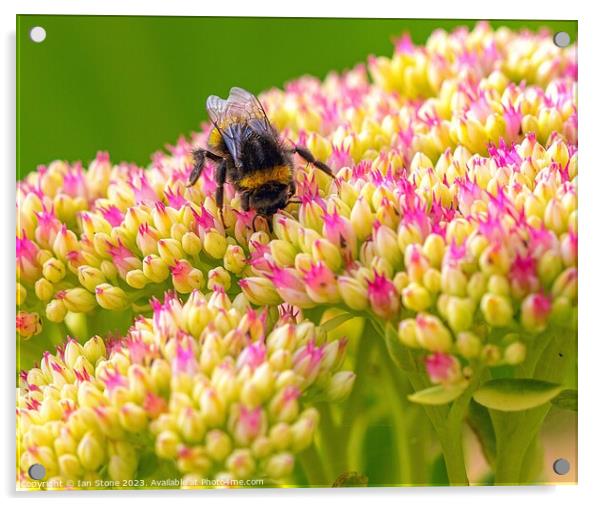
(256, 178)
(259, 153)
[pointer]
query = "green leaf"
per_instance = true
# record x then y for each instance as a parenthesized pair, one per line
(148, 465)
(439, 394)
(333, 323)
(439, 472)
(400, 355)
(480, 422)
(516, 394)
(567, 399)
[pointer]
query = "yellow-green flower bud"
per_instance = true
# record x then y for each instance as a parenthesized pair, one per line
(90, 451)
(459, 313)
(69, 466)
(477, 286)
(566, 284)
(90, 277)
(434, 249)
(166, 445)
(56, 311)
(535, 312)
(215, 244)
(361, 218)
(556, 217)
(549, 266)
(431, 334)
(431, 280)
(44, 289)
(132, 417)
(94, 349)
(109, 270)
(170, 250)
(340, 385)
(78, 300)
(283, 253)
(353, 293)
(385, 245)
(325, 251)
(136, 279)
(491, 355)
(191, 425)
(468, 345)
(498, 285)
(53, 270)
(407, 333)
(218, 277)
(401, 280)
(120, 469)
(280, 465)
(155, 269)
(416, 297)
(515, 353)
(303, 430)
(111, 297)
(191, 244)
(65, 242)
(241, 463)
(260, 291)
(497, 310)
(234, 259)
(561, 311)
(495, 260)
(280, 436)
(453, 281)
(218, 444)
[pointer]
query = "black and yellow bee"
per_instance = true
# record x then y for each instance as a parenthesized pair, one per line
(250, 155)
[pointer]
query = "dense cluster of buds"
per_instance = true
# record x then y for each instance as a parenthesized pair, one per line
(452, 218)
(208, 384)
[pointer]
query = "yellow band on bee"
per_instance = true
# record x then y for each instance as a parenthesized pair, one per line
(279, 173)
(215, 139)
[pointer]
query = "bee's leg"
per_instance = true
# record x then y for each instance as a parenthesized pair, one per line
(200, 156)
(253, 223)
(268, 220)
(220, 179)
(244, 201)
(310, 158)
(292, 188)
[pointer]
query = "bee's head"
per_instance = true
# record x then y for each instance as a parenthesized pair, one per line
(269, 198)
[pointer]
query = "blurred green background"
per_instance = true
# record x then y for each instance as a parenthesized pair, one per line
(131, 84)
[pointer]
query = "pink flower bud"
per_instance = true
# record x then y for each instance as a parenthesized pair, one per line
(383, 297)
(442, 368)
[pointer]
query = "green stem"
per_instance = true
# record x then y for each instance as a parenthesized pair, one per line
(517, 432)
(313, 467)
(397, 392)
(447, 422)
(330, 444)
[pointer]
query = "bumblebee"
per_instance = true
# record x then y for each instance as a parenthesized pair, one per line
(249, 155)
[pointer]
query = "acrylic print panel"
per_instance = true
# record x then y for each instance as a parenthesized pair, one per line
(379, 289)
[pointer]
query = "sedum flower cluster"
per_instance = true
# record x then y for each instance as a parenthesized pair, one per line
(452, 219)
(209, 386)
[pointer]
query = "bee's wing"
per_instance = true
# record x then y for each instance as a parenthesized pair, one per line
(216, 108)
(237, 118)
(221, 115)
(243, 107)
